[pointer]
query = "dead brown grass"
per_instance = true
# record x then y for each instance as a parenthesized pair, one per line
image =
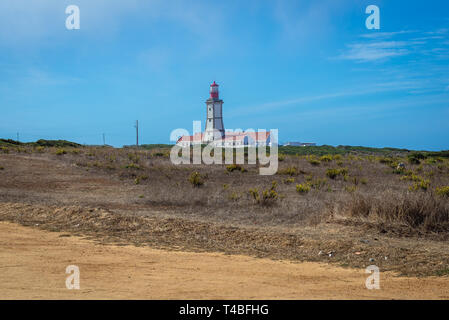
(139, 197)
(366, 187)
(418, 211)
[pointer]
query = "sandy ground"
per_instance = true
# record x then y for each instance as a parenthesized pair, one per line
(33, 264)
(107, 206)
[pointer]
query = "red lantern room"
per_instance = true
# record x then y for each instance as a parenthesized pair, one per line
(214, 90)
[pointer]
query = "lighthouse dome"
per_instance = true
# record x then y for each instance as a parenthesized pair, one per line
(214, 90)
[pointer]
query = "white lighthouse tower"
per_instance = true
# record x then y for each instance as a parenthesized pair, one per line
(214, 122)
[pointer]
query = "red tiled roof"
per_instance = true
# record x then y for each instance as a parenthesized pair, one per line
(196, 137)
(230, 136)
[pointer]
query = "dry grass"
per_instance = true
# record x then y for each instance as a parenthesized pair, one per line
(148, 200)
(416, 211)
(308, 189)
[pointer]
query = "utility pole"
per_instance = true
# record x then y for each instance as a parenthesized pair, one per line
(17, 137)
(137, 132)
(104, 140)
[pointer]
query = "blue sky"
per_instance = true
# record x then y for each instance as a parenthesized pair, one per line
(308, 68)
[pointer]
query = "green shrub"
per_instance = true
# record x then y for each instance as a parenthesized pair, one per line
(314, 162)
(235, 167)
(289, 180)
(415, 158)
(303, 188)
(318, 183)
(337, 157)
(234, 196)
(290, 171)
(196, 179)
(96, 164)
(254, 193)
(269, 196)
(350, 189)
(420, 185)
(430, 173)
(39, 149)
(140, 178)
(133, 165)
(21, 149)
(443, 191)
(57, 143)
(326, 158)
(60, 152)
(411, 176)
(334, 173)
(430, 161)
(133, 157)
(387, 161)
(398, 170)
(158, 154)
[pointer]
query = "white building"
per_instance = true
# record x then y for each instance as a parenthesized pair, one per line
(300, 144)
(215, 132)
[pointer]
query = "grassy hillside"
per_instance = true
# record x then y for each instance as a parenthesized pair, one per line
(41, 143)
(286, 150)
(323, 150)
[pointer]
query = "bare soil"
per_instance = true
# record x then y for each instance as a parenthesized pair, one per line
(98, 208)
(33, 264)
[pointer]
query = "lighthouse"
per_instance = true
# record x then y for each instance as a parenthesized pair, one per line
(215, 134)
(214, 121)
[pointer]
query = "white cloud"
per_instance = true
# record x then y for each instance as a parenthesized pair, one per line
(375, 88)
(364, 52)
(384, 35)
(384, 45)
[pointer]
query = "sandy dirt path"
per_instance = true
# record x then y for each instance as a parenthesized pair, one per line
(33, 264)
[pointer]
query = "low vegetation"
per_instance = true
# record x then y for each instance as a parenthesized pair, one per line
(443, 191)
(313, 183)
(303, 188)
(196, 179)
